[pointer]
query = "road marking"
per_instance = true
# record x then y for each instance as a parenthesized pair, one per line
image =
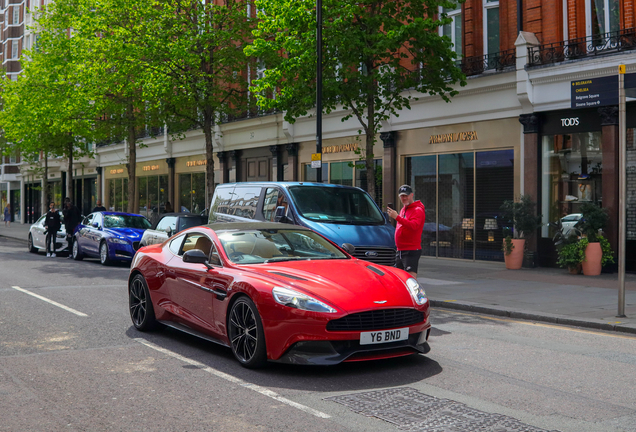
(537, 324)
(262, 390)
(66, 308)
(428, 281)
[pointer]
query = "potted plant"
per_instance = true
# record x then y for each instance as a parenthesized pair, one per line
(597, 249)
(571, 254)
(522, 223)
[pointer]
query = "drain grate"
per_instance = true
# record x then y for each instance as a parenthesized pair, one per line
(413, 411)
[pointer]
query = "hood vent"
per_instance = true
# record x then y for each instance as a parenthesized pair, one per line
(376, 270)
(287, 275)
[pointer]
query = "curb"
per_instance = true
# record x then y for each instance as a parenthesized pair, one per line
(535, 316)
(14, 238)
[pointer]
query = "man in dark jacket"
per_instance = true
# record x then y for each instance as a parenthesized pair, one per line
(99, 206)
(71, 220)
(408, 232)
(52, 224)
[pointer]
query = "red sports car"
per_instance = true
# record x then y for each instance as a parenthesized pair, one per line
(278, 292)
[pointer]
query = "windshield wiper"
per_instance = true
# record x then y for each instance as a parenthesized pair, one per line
(285, 259)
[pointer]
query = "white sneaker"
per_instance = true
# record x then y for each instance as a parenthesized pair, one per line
(48, 254)
(53, 255)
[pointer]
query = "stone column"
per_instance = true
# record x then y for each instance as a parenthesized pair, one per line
(292, 160)
(223, 166)
(171, 182)
(609, 147)
(100, 185)
(276, 175)
(234, 166)
(389, 170)
(530, 160)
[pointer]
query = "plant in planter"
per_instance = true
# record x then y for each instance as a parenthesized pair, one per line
(522, 223)
(597, 248)
(571, 254)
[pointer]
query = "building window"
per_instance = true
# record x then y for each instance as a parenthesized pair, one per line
(16, 15)
(491, 26)
(602, 16)
(454, 29)
(341, 174)
(192, 192)
(27, 42)
(14, 50)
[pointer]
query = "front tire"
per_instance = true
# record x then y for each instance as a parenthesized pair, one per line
(142, 313)
(32, 248)
(245, 331)
(77, 254)
(103, 254)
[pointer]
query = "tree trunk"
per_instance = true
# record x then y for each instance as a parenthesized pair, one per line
(209, 157)
(46, 194)
(132, 167)
(70, 185)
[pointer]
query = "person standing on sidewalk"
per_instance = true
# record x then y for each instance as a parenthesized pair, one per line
(7, 215)
(408, 232)
(71, 220)
(99, 206)
(52, 223)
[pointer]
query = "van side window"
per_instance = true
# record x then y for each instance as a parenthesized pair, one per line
(222, 200)
(245, 201)
(273, 199)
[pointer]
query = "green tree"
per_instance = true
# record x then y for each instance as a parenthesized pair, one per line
(378, 55)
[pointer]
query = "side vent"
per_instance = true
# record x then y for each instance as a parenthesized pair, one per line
(376, 270)
(287, 275)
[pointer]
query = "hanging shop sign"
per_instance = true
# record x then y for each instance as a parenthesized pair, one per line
(453, 137)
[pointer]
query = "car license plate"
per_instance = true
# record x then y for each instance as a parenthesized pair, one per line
(384, 336)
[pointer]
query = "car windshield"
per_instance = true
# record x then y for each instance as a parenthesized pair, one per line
(275, 245)
(126, 221)
(346, 206)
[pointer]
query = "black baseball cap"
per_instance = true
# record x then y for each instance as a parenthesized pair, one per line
(405, 190)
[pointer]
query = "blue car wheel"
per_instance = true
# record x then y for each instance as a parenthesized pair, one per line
(103, 254)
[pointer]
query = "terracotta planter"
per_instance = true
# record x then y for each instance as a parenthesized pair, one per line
(592, 264)
(515, 258)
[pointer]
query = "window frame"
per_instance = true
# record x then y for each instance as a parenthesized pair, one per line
(606, 18)
(454, 14)
(487, 5)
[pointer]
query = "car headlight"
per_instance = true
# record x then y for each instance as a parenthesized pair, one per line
(295, 299)
(417, 292)
(117, 240)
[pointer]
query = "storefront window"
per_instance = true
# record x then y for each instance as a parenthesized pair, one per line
(310, 174)
(192, 192)
(572, 174)
(361, 179)
(341, 174)
(462, 193)
(153, 194)
(117, 195)
(55, 189)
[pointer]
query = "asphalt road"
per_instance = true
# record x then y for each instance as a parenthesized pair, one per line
(79, 365)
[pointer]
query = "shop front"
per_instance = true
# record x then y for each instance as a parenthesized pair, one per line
(191, 183)
(462, 174)
(152, 188)
(115, 187)
(341, 163)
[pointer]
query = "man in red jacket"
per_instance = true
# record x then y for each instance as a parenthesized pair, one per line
(408, 232)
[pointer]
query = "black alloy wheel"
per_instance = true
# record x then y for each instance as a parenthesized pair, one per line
(141, 311)
(245, 331)
(32, 249)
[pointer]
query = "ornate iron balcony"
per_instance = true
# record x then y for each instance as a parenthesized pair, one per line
(590, 46)
(498, 61)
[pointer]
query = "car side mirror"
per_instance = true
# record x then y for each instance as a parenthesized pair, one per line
(95, 225)
(349, 248)
(195, 256)
(279, 216)
(169, 231)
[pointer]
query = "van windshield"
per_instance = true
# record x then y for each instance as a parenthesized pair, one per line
(335, 205)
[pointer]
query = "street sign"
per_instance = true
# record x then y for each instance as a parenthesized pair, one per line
(594, 92)
(316, 160)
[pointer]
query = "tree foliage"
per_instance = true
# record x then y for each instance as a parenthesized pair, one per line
(378, 56)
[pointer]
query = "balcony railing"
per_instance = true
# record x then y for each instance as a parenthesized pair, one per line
(590, 46)
(499, 61)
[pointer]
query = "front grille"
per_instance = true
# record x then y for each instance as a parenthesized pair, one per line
(384, 256)
(377, 320)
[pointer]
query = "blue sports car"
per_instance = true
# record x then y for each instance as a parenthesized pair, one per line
(109, 236)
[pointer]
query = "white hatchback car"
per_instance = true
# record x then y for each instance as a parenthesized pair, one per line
(37, 238)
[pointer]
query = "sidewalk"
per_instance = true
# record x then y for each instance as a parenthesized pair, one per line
(539, 294)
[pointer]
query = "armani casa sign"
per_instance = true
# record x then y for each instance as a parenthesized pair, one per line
(453, 137)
